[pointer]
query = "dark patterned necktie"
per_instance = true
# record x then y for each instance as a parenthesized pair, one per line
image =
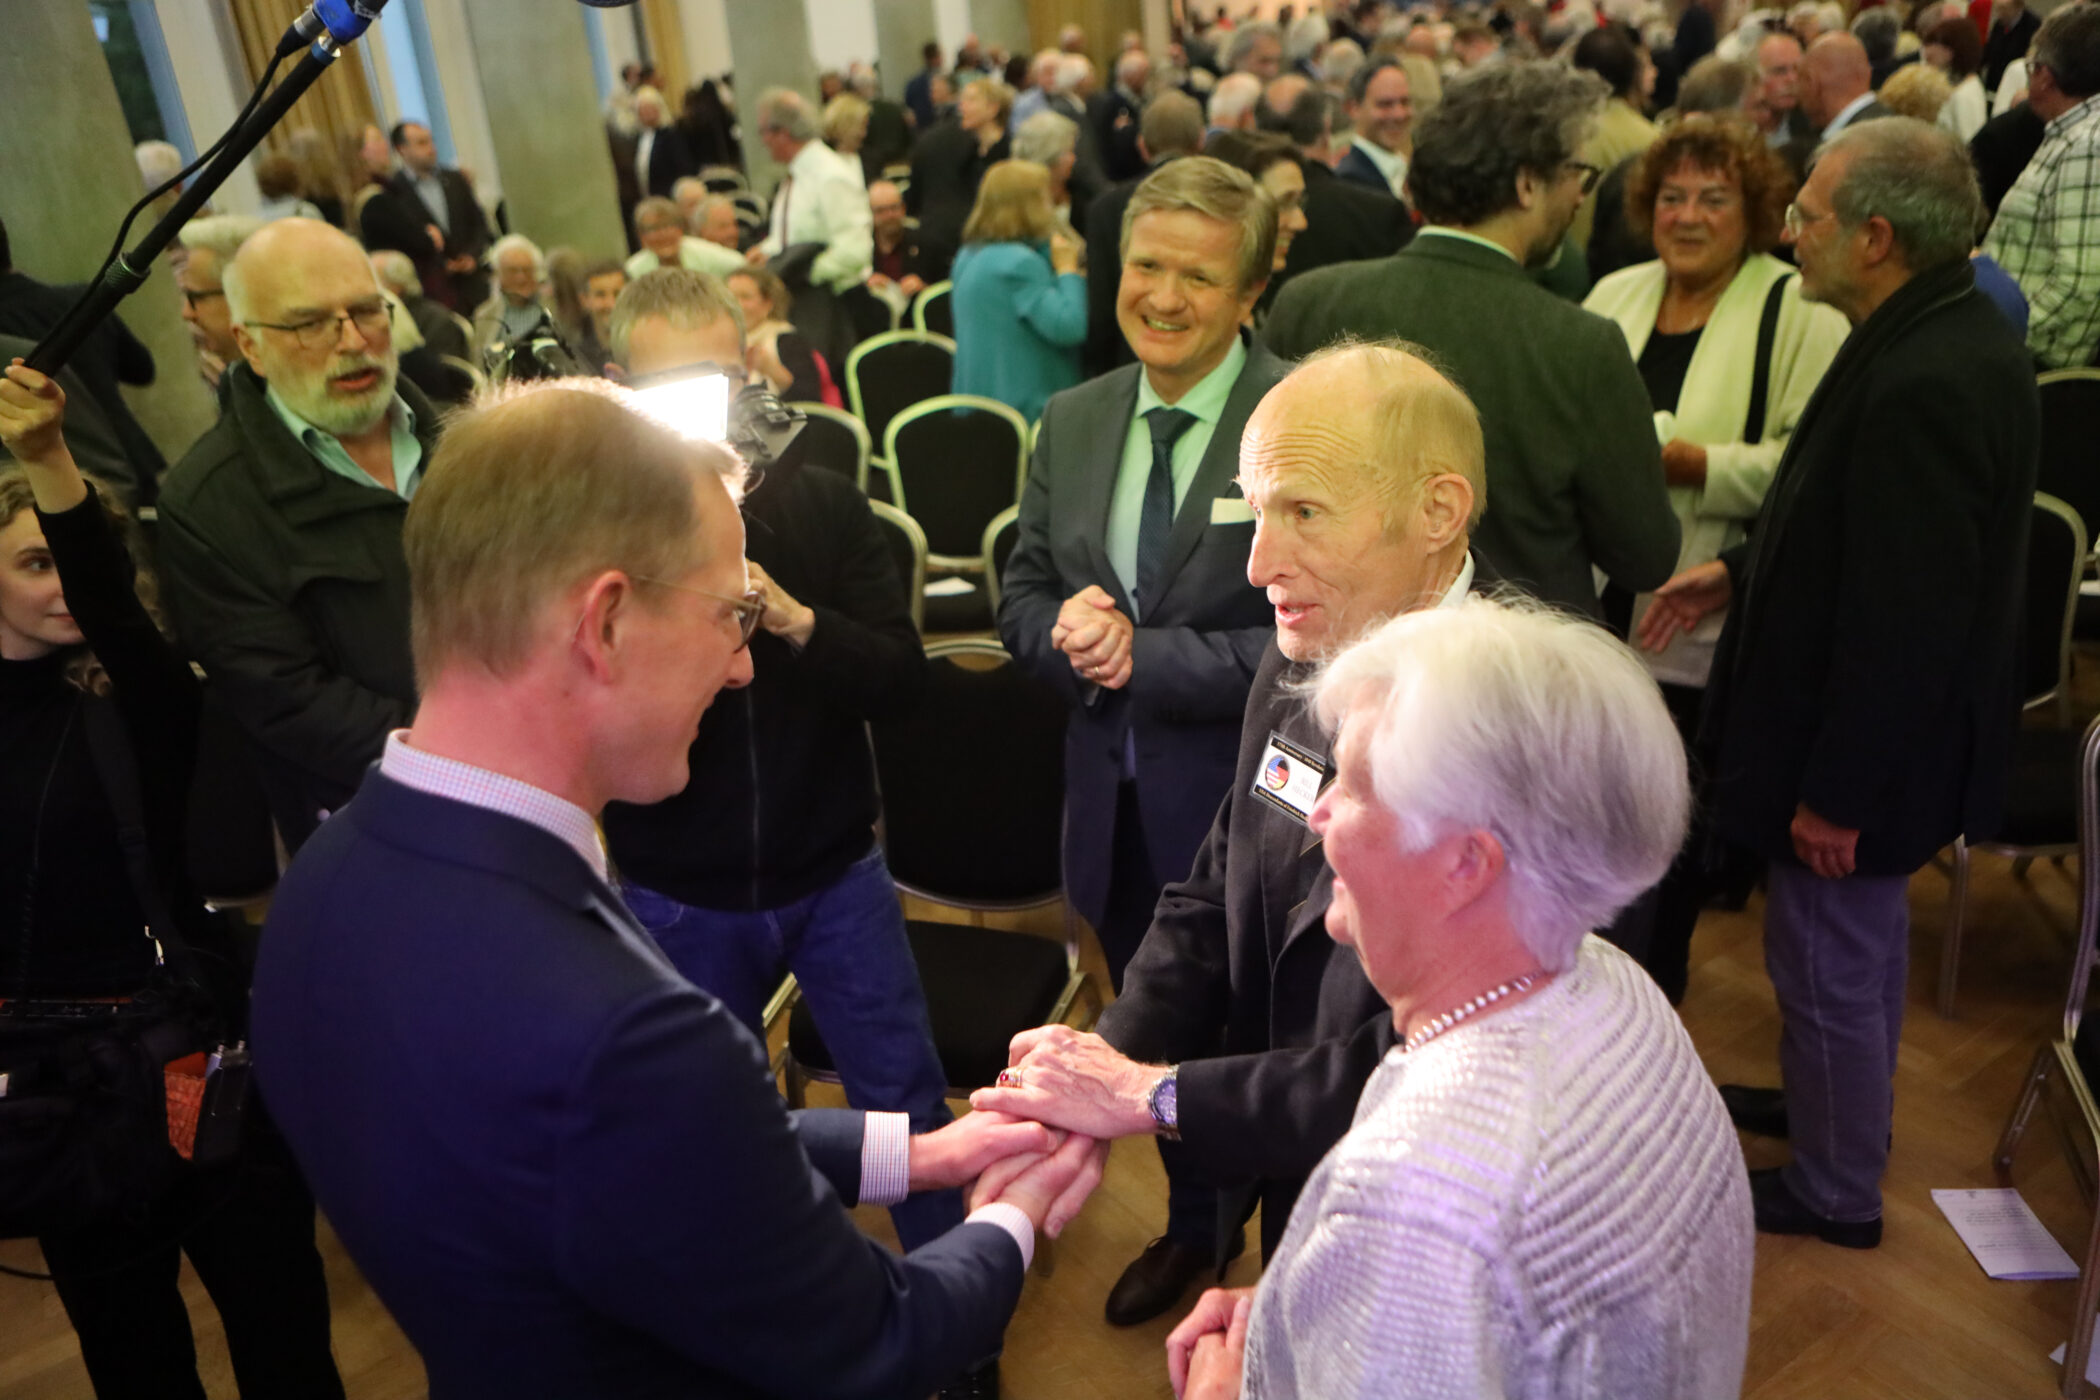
(1157, 523)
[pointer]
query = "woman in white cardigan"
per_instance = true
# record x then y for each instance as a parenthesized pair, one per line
(1715, 196)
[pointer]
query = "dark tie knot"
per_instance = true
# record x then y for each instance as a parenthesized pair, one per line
(1167, 425)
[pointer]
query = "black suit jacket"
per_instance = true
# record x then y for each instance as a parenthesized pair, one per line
(2001, 149)
(564, 1168)
(1867, 668)
(1357, 169)
(946, 168)
(111, 355)
(1274, 1025)
(1196, 647)
(1345, 222)
(1117, 144)
(468, 237)
(671, 159)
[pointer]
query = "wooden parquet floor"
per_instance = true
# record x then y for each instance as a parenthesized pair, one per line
(1915, 1319)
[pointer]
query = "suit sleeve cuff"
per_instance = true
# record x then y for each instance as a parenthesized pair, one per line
(885, 1159)
(1013, 1220)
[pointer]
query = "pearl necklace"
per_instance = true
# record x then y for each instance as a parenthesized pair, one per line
(1426, 1033)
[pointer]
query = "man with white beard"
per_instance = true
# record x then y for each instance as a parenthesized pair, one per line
(280, 531)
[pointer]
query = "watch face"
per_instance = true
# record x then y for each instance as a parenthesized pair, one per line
(1164, 1102)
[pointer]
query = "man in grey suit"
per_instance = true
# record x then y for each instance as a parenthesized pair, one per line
(1572, 461)
(1128, 594)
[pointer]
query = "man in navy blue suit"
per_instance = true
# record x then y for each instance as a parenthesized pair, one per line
(564, 1168)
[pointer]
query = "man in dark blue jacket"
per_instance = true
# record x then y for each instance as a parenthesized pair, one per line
(564, 1168)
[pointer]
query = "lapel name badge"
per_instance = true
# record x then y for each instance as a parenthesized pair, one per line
(1290, 778)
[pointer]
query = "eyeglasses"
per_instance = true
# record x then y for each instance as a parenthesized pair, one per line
(371, 318)
(1590, 173)
(194, 297)
(1798, 219)
(749, 609)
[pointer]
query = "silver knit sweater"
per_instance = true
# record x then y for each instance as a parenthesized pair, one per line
(1547, 1201)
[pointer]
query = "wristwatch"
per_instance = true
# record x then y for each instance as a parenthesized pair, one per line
(1164, 1105)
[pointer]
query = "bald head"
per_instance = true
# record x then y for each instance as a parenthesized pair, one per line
(1834, 74)
(287, 262)
(1363, 515)
(1283, 93)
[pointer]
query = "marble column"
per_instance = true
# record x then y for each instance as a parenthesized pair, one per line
(771, 42)
(544, 119)
(67, 179)
(902, 28)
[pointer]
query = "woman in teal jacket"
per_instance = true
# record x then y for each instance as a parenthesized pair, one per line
(1019, 298)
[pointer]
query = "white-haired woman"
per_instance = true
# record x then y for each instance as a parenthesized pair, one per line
(1541, 1194)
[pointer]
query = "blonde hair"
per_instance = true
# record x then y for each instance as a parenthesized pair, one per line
(841, 115)
(1208, 186)
(1013, 205)
(997, 93)
(680, 296)
(1917, 90)
(533, 490)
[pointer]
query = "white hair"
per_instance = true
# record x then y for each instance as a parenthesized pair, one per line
(396, 273)
(1129, 63)
(685, 185)
(1535, 726)
(218, 234)
(1234, 97)
(1340, 62)
(1072, 70)
(1044, 137)
(1308, 33)
(1245, 38)
(784, 110)
(159, 162)
(512, 242)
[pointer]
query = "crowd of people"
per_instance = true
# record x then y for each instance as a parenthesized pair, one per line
(1501, 480)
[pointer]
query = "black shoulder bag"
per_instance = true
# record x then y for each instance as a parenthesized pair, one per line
(85, 1085)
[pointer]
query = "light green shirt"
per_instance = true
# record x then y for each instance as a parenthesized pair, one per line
(1126, 508)
(327, 449)
(1446, 231)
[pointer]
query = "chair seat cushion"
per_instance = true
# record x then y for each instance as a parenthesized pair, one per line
(2041, 789)
(983, 987)
(959, 612)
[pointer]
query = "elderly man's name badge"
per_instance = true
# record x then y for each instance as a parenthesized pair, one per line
(1289, 778)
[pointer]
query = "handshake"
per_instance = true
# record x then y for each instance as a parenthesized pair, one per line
(1039, 1139)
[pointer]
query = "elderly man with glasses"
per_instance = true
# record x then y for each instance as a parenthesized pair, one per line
(280, 531)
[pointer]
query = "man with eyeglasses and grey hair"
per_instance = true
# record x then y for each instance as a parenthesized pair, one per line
(280, 531)
(821, 197)
(1864, 692)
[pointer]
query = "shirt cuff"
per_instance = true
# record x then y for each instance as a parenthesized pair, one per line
(1013, 1220)
(885, 1158)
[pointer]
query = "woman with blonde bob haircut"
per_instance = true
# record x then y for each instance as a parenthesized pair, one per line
(1541, 1193)
(1019, 298)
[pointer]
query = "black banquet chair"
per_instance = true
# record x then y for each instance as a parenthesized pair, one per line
(2069, 468)
(907, 543)
(887, 374)
(2040, 820)
(834, 440)
(934, 309)
(955, 461)
(973, 799)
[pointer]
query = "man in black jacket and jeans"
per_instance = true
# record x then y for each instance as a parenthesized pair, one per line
(767, 862)
(280, 531)
(1864, 693)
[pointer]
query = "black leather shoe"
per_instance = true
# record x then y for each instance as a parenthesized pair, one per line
(981, 1383)
(1760, 1111)
(1780, 1212)
(1155, 1281)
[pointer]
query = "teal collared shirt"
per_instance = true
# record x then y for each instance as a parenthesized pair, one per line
(328, 450)
(1126, 507)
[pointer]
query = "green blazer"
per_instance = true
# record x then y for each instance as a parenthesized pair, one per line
(1574, 472)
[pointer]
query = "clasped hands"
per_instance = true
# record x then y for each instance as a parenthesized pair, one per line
(1045, 1171)
(1095, 636)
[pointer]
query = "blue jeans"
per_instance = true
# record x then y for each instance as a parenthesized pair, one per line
(847, 947)
(1838, 952)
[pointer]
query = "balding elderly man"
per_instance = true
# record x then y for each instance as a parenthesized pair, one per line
(820, 198)
(280, 531)
(1837, 85)
(1240, 1030)
(564, 1168)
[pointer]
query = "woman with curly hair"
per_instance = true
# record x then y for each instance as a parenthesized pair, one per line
(1730, 354)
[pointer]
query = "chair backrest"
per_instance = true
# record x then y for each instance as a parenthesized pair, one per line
(2083, 956)
(723, 179)
(908, 551)
(973, 782)
(836, 441)
(475, 380)
(934, 309)
(955, 461)
(887, 374)
(2070, 462)
(1000, 537)
(2056, 546)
